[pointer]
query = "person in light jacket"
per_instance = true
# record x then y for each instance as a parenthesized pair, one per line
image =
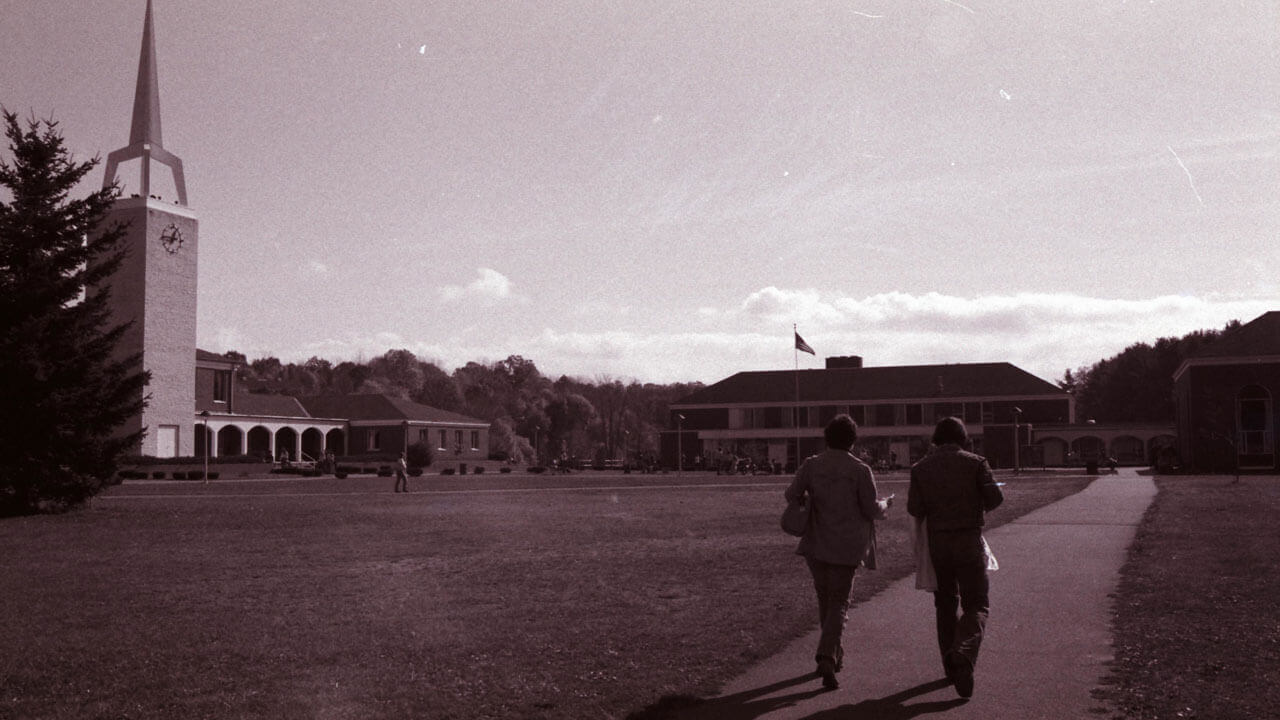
(843, 508)
(952, 489)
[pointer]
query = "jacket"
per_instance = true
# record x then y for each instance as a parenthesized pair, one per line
(843, 507)
(952, 488)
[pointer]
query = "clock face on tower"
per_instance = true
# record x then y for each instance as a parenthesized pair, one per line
(171, 238)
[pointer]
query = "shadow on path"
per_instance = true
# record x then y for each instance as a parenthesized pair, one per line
(745, 705)
(892, 707)
(757, 702)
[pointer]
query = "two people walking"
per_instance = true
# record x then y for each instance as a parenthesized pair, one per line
(950, 491)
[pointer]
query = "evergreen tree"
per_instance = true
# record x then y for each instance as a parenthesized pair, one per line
(65, 391)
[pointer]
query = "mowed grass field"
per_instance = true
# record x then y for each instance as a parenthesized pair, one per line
(496, 596)
(1197, 627)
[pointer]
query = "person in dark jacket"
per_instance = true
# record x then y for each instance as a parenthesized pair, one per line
(952, 489)
(842, 512)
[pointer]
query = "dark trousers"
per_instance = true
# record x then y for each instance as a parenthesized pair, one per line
(402, 482)
(961, 568)
(832, 584)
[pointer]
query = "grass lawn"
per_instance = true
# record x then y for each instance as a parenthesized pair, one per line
(514, 596)
(1198, 608)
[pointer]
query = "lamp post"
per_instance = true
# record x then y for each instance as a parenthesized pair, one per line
(204, 440)
(679, 444)
(626, 443)
(1017, 440)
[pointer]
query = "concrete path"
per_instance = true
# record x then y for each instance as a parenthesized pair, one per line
(1047, 642)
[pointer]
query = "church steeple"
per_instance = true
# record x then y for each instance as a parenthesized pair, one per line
(144, 135)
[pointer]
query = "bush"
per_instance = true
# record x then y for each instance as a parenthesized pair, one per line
(340, 475)
(369, 470)
(504, 469)
(415, 472)
(537, 469)
(195, 475)
(157, 475)
(213, 476)
(384, 471)
(176, 476)
(418, 455)
(447, 471)
(479, 470)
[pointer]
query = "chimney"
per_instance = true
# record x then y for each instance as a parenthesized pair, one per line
(844, 361)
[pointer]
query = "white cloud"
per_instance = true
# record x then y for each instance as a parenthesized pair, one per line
(319, 268)
(491, 285)
(1043, 333)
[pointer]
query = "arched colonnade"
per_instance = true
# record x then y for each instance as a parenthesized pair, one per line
(266, 438)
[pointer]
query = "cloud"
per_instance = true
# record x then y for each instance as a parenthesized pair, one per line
(491, 285)
(319, 268)
(1042, 333)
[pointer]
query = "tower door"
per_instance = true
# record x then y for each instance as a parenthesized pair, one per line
(167, 441)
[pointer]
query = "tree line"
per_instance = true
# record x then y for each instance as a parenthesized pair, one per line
(1136, 384)
(585, 419)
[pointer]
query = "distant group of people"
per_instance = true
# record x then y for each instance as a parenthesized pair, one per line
(951, 490)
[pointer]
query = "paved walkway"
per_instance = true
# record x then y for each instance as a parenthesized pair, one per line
(1047, 642)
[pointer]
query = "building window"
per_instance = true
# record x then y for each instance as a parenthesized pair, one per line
(457, 440)
(422, 436)
(914, 414)
(375, 440)
(221, 386)
(444, 440)
(1254, 416)
(885, 415)
(856, 412)
(475, 439)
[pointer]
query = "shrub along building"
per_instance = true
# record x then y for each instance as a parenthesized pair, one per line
(778, 415)
(1226, 399)
(155, 290)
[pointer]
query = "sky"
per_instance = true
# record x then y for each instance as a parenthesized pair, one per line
(658, 190)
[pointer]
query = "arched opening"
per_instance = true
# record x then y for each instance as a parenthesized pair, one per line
(312, 444)
(1127, 450)
(286, 442)
(1088, 448)
(1166, 445)
(201, 436)
(1255, 445)
(1055, 451)
(336, 441)
(260, 442)
(229, 441)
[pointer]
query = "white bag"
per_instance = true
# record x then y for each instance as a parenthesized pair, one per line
(926, 579)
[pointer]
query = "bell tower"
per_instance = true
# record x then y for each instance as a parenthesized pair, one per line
(155, 286)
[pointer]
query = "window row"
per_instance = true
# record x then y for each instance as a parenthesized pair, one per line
(424, 436)
(876, 415)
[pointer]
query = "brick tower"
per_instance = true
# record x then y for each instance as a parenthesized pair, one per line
(155, 286)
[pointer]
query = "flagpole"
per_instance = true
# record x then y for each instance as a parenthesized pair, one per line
(795, 411)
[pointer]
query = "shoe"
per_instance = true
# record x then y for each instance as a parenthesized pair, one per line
(960, 673)
(827, 671)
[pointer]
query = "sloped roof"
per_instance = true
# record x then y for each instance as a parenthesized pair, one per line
(1260, 336)
(271, 405)
(380, 407)
(873, 384)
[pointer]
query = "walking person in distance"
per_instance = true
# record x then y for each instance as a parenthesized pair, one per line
(951, 490)
(402, 474)
(841, 492)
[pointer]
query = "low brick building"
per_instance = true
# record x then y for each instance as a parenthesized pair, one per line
(1225, 395)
